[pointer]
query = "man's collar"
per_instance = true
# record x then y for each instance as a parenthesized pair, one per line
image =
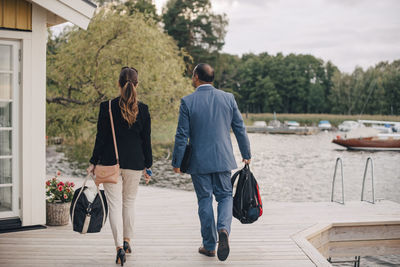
(205, 86)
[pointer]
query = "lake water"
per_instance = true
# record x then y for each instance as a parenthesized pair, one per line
(288, 168)
(300, 168)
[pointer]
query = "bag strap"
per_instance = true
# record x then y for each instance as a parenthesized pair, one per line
(113, 131)
(101, 199)
(233, 179)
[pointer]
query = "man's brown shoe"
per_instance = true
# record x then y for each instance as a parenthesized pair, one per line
(209, 253)
(223, 245)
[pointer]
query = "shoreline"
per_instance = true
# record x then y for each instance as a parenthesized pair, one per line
(163, 174)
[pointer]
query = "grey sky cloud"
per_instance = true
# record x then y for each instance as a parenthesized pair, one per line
(349, 33)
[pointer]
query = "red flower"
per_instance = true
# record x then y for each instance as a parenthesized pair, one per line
(68, 190)
(60, 184)
(48, 183)
(60, 188)
(65, 196)
(72, 184)
(58, 173)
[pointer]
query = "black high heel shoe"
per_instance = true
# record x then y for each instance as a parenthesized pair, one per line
(121, 257)
(127, 247)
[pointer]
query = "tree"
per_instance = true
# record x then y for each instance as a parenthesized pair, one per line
(266, 83)
(226, 73)
(196, 29)
(104, 2)
(84, 71)
(391, 83)
(330, 70)
(130, 7)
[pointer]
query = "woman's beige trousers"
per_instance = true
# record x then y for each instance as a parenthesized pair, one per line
(121, 204)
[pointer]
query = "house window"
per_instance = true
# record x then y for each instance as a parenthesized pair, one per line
(9, 84)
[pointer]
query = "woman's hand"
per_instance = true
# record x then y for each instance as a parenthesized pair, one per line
(90, 169)
(147, 177)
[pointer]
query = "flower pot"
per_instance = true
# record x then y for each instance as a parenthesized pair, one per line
(57, 213)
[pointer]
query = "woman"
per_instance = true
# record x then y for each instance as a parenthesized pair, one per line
(132, 129)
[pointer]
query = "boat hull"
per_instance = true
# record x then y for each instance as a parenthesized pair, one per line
(369, 144)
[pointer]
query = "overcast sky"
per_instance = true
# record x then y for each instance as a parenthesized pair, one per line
(347, 32)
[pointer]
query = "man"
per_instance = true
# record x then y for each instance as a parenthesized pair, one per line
(205, 119)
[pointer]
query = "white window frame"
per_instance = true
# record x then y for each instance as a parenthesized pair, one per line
(15, 57)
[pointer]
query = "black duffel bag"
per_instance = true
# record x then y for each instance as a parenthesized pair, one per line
(247, 204)
(88, 217)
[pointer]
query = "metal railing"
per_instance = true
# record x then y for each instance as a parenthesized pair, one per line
(356, 261)
(369, 159)
(334, 178)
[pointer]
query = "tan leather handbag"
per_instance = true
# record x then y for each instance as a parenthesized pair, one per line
(108, 174)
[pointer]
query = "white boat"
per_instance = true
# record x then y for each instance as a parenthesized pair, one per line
(324, 125)
(382, 126)
(292, 124)
(260, 124)
(347, 126)
(396, 128)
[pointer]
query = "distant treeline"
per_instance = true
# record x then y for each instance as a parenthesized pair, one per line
(305, 84)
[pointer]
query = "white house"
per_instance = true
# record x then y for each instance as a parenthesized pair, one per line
(23, 36)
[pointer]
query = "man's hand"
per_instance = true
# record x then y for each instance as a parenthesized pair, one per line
(246, 161)
(177, 170)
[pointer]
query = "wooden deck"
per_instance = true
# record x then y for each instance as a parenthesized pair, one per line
(168, 234)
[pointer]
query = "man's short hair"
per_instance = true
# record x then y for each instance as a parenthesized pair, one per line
(205, 72)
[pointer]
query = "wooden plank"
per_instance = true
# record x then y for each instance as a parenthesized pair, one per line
(1, 12)
(9, 9)
(24, 15)
(322, 238)
(301, 239)
(364, 248)
(369, 232)
(16, 14)
(160, 263)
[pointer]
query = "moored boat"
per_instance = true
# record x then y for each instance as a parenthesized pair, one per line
(369, 143)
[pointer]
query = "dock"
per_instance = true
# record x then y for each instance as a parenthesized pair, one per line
(282, 130)
(167, 233)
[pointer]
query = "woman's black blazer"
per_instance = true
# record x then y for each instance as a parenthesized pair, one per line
(134, 143)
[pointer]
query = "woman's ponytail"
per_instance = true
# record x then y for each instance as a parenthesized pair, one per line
(128, 102)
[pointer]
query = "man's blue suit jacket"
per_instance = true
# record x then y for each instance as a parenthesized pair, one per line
(205, 119)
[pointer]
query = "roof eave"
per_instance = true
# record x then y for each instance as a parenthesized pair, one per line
(77, 12)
